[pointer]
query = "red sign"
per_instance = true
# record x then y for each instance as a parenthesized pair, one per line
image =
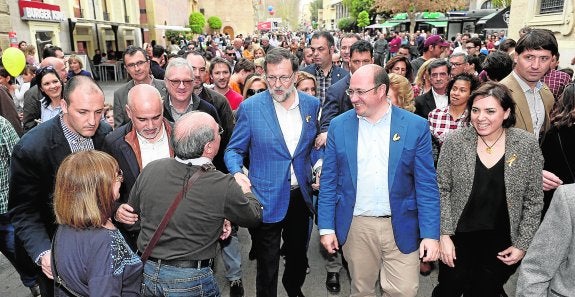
(264, 26)
(32, 10)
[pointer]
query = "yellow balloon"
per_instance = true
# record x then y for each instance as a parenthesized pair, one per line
(14, 61)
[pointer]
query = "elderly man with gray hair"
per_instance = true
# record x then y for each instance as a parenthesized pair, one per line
(183, 257)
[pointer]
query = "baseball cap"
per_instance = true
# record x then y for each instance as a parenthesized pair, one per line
(435, 40)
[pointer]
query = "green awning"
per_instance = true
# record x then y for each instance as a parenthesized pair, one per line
(437, 24)
(389, 24)
(432, 15)
(400, 16)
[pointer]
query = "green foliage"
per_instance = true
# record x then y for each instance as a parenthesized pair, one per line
(197, 22)
(363, 19)
(357, 6)
(174, 34)
(214, 23)
(501, 3)
(313, 8)
(346, 24)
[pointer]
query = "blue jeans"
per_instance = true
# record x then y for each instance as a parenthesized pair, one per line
(27, 274)
(165, 280)
(231, 255)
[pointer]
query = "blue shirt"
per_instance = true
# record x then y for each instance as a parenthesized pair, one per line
(372, 198)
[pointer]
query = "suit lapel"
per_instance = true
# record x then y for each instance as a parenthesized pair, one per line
(397, 136)
(308, 121)
(522, 107)
(351, 128)
(269, 115)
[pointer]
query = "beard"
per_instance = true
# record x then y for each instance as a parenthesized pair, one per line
(287, 92)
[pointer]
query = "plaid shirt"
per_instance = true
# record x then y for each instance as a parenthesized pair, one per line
(8, 139)
(441, 123)
(323, 82)
(76, 141)
(556, 81)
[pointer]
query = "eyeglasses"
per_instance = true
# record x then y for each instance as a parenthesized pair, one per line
(252, 92)
(120, 176)
(139, 64)
(359, 93)
(457, 64)
(177, 82)
(470, 47)
(283, 79)
(220, 130)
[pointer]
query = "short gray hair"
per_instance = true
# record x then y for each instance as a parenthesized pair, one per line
(189, 136)
(178, 63)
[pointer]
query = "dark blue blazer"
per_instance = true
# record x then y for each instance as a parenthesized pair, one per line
(336, 102)
(413, 190)
(35, 161)
(258, 134)
(424, 104)
(337, 72)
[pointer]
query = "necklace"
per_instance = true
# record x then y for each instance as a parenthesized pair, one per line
(489, 148)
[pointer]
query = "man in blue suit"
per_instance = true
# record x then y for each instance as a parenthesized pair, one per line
(379, 194)
(277, 129)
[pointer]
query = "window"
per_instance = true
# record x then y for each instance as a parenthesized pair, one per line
(487, 5)
(551, 6)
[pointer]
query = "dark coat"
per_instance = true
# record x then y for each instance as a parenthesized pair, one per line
(35, 161)
(424, 104)
(336, 102)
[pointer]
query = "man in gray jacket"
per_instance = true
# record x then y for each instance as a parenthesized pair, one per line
(547, 269)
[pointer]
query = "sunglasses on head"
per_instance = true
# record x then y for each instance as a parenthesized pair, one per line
(252, 92)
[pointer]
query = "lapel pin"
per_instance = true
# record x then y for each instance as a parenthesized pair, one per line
(512, 159)
(307, 118)
(396, 137)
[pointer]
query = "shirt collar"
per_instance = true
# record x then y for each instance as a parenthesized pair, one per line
(144, 140)
(196, 161)
(385, 116)
(524, 86)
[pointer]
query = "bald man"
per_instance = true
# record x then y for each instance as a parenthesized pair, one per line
(143, 139)
(31, 109)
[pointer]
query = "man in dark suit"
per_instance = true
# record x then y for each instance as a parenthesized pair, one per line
(157, 58)
(322, 46)
(137, 63)
(379, 196)
(437, 97)
(36, 159)
(145, 138)
(276, 129)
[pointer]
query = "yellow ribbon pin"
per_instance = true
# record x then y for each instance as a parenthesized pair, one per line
(396, 137)
(512, 159)
(307, 118)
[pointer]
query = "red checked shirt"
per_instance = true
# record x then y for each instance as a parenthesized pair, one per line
(441, 123)
(556, 81)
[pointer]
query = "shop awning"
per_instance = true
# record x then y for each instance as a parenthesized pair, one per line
(437, 23)
(495, 20)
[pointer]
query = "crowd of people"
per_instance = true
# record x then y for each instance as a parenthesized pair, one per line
(406, 151)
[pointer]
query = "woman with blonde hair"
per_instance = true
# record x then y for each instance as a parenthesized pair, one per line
(255, 84)
(89, 255)
(306, 83)
(76, 67)
(422, 82)
(400, 92)
(30, 54)
(259, 53)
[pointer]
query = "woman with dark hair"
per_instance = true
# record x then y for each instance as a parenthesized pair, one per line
(491, 190)
(89, 255)
(400, 65)
(559, 142)
(51, 88)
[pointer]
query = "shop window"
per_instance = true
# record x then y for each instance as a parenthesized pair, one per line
(551, 6)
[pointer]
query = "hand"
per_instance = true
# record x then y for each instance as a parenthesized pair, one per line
(447, 251)
(431, 246)
(320, 140)
(226, 230)
(511, 255)
(550, 181)
(329, 242)
(315, 185)
(243, 181)
(47, 264)
(125, 214)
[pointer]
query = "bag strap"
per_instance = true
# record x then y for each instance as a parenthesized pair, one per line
(57, 279)
(170, 212)
(565, 156)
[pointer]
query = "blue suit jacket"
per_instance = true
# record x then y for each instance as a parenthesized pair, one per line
(257, 133)
(337, 72)
(413, 190)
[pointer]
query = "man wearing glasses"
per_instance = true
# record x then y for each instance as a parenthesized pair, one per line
(459, 64)
(276, 129)
(438, 72)
(379, 193)
(137, 63)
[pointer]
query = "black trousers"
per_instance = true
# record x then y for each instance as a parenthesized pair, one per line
(267, 240)
(478, 271)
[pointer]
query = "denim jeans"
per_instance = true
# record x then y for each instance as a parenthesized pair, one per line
(231, 255)
(27, 274)
(165, 280)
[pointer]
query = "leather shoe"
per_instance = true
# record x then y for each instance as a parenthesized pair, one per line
(236, 288)
(332, 282)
